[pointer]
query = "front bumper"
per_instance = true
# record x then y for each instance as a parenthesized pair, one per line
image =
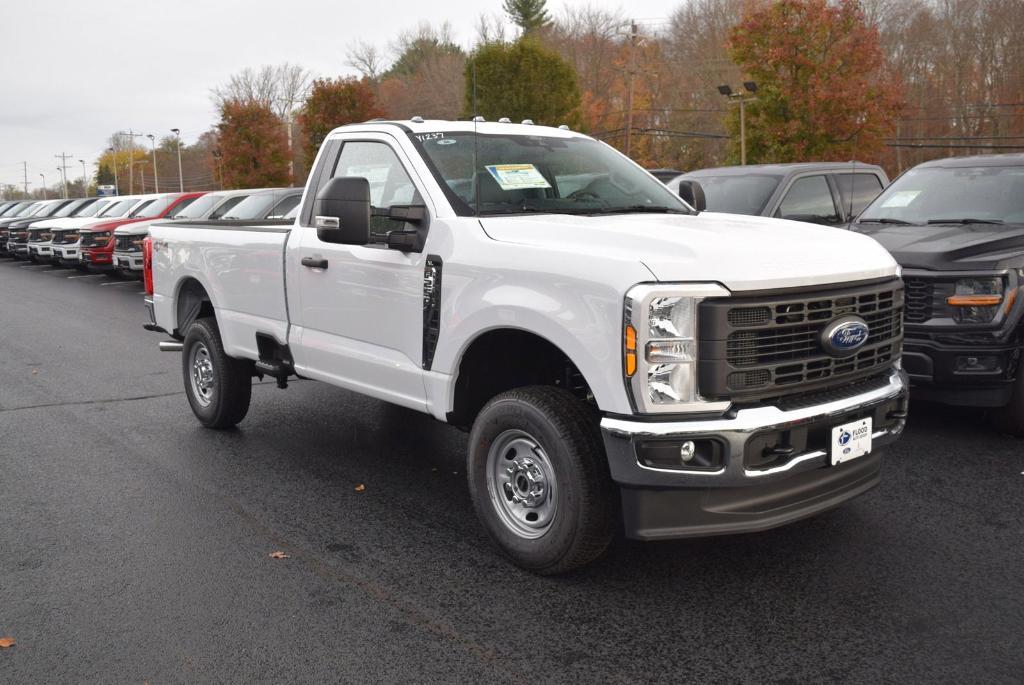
(131, 261)
(743, 493)
(100, 261)
(943, 373)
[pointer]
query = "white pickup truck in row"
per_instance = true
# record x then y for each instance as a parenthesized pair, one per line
(616, 353)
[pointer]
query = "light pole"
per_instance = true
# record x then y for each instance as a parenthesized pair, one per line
(742, 99)
(44, 184)
(181, 181)
(142, 173)
(85, 183)
(132, 135)
(63, 174)
(113, 153)
(156, 178)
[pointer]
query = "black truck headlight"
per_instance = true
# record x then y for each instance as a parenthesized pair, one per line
(660, 347)
(976, 300)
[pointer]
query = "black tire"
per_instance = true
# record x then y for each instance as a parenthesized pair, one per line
(225, 402)
(1010, 419)
(585, 501)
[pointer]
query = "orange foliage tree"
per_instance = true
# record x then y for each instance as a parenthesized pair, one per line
(253, 146)
(824, 89)
(332, 103)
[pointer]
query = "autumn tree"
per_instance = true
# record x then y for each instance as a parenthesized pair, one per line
(529, 15)
(332, 103)
(253, 146)
(824, 89)
(522, 80)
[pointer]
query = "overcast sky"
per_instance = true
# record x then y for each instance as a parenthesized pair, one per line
(74, 72)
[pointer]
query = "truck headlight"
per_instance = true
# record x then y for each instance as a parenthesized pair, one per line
(976, 300)
(660, 346)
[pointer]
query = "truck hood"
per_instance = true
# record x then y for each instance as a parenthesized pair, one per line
(69, 222)
(949, 247)
(740, 252)
(136, 228)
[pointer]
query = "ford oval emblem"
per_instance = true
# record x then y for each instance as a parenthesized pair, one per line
(844, 336)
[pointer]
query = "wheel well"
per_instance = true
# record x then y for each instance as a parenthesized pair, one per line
(505, 359)
(193, 302)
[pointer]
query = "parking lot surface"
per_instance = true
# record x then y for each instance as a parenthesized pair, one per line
(134, 544)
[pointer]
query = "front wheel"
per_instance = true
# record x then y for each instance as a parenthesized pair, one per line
(539, 479)
(218, 387)
(1010, 419)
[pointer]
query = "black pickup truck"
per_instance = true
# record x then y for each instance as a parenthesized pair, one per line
(956, 226)
(827, 193)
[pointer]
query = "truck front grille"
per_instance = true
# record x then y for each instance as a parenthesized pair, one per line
(761, 347)
(126, 243)
(919, 297)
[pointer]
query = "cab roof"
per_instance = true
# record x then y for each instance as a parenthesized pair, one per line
(782, 169)
(1011, 159)
(418, 125)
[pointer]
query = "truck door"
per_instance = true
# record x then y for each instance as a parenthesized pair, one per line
(358, 319)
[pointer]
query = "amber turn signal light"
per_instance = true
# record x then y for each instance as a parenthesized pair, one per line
(630, 344)
(974, 300)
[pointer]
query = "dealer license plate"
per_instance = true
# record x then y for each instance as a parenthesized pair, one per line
(851, 440)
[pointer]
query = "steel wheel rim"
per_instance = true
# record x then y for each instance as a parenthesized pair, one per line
(201, 374)
(521, 484)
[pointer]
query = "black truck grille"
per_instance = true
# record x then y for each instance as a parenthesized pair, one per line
(920, 293)
(761, 347)
(126, 243)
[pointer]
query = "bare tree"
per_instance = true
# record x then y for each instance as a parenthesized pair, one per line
(491, 28)
(367, 60)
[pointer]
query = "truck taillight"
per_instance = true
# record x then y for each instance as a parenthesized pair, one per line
(147, 264)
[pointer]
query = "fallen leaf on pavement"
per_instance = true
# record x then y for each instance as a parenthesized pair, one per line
(6, 642)
(35, 371)
(360, 488)
(278, 555)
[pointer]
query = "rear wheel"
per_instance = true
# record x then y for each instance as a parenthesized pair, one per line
(1010, 419)
(539, 479)
(218, 387)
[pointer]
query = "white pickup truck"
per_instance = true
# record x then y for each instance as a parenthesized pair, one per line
(616, 353)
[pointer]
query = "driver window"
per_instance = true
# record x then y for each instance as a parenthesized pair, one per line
(809, 199)
(390, 185)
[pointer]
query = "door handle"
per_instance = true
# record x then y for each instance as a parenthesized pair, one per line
(314, 263)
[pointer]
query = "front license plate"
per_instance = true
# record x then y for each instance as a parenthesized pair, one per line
(851, 440)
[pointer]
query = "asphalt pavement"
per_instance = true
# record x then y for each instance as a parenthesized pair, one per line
(135, 545)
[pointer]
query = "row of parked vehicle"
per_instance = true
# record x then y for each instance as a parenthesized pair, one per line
(106, 233)
(956, 227)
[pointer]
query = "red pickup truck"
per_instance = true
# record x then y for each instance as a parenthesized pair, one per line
(97, 240)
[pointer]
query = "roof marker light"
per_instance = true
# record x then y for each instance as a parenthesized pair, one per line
(417, 119)
(478, 118)
(504, 120)
(565, 127)
(528, 122)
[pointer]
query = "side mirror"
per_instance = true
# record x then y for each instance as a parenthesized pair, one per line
(693, 195)
(341, 212)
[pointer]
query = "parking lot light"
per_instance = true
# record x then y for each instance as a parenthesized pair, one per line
(177, 137)
(742, 99)
(156, 176)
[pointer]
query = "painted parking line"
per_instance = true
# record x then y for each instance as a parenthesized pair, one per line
(34, 266)
(117, 282)
(86, 276)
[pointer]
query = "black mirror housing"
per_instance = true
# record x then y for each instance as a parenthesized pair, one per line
(341, 212)
(693, 195)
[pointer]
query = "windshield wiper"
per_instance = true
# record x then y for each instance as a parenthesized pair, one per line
(630, 209)
(884, 220)
(966, 221)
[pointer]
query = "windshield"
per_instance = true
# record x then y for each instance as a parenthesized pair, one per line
(92, 209)
(17, 210)
(198, 208)
(152, 208)
(941, 195)
(117, 209)
(69, 209)
(255, 206)
(513, 174)
(747, 194)
(49, 210)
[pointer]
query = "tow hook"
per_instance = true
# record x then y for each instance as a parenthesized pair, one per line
(171, 346)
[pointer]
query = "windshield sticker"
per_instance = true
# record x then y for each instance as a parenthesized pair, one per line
(901, 198)
(517, 176)
(447, 141)
(424, 137)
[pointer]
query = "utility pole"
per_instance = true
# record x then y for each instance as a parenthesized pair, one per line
(44, 184)
(132, 135)
(113, 155)
(24, 166)
(633, 37)
(63, 157)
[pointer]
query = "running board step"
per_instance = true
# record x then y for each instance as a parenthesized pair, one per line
(275, 369)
